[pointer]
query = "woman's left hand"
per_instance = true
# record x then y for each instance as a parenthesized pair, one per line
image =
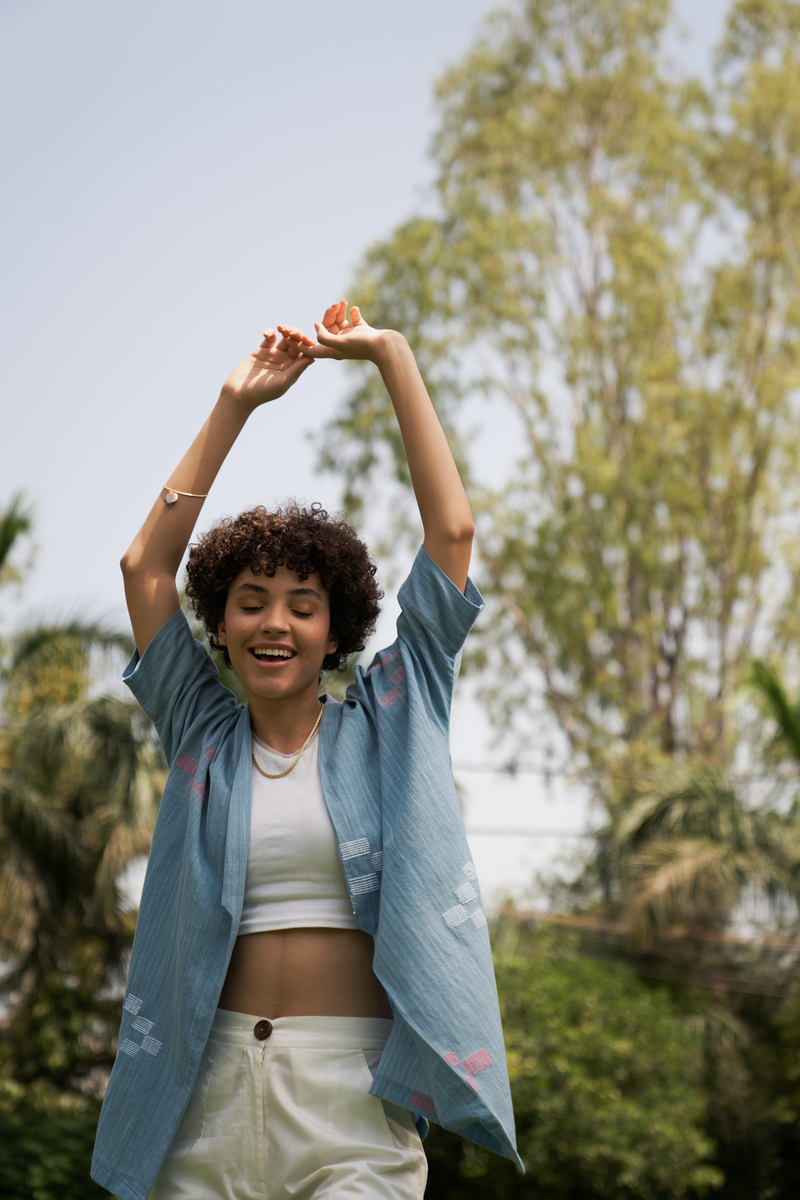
(339, 338)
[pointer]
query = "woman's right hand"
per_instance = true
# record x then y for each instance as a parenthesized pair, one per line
(270, 370)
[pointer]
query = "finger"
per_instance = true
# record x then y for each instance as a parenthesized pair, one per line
(335, 315)
(296, 342)
(329, 343)
(321, 352)
(268, 338)
(296, 369)
(325, 336)
(291, 331)
(331, 311)
(355, 316)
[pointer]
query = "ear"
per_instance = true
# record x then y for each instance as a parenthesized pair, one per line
(222, 634)
(333, 643)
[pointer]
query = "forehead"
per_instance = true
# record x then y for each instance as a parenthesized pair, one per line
(283, 583)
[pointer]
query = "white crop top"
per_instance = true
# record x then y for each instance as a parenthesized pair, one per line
(294, 874)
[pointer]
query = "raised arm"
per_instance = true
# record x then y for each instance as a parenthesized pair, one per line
(150, 565)
(443, 504)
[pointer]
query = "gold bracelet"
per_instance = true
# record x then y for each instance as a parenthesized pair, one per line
(173, 493)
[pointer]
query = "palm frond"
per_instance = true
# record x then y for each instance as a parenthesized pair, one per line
(41, 638)
(31, 819)
(690, 801)
(785, 714)
(15, 521)
(23, 899)
(676, 879)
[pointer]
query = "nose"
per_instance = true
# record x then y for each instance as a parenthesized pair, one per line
(273, 620)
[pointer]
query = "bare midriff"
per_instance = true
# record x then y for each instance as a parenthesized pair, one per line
(304, 973)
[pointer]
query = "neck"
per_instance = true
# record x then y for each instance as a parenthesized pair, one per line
(286, 723)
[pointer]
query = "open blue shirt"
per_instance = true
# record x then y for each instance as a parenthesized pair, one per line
(387, 781)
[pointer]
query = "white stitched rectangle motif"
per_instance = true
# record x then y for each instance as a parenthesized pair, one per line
(377, 860)
(466, 892)
(470, 872)
(455, 916)
(364, 883)
(151, 1045)
(142, 1024)
(478, 918)
(354, 849)
(128, 1047)
(132, 1003)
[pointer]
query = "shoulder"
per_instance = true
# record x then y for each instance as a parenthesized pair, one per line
(175, 680)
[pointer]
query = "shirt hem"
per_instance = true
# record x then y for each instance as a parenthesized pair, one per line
(117, 1184)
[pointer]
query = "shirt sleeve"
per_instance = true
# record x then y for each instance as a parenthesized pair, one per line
(176, 682)
(435, 609)
(423, 662)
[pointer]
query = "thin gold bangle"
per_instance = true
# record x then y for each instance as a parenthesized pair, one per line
(173, 493)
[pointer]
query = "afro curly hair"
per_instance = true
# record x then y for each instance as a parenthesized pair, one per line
(305, 540)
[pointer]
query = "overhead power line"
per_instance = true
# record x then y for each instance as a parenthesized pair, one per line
(501, 831)
(574, 775)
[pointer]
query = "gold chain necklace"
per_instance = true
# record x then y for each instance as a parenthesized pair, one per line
(300, 755)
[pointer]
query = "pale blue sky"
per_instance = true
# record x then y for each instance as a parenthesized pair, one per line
(177, 176)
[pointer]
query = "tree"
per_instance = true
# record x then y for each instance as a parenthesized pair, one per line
(79, 782)
(613, 269)
(46, 1143)
(15, 523)
(686, 850)
(607, 1089)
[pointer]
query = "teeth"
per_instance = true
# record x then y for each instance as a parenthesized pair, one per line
(273, 653)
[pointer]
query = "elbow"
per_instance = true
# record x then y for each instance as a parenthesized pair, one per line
(462, 534)
(130, 563)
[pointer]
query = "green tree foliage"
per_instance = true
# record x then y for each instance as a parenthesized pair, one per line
(778, 706)
(15, 522)
(685, 850)
(606, 1088)
(79, 782)
(46, 1142)
(612, 274)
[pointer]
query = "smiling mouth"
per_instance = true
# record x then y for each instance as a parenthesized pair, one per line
(273, 658)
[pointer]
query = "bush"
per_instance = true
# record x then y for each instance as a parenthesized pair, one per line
(606, 1087)
(46, 1141)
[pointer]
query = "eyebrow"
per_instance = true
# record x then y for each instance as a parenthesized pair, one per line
(259, 587)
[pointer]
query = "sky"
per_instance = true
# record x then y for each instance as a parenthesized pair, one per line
(178, 176)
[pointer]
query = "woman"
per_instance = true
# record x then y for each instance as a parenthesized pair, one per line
(311, 977)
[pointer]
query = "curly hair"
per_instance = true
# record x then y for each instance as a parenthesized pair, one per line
(305, 540)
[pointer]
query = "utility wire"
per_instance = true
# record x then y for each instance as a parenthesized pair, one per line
(512, 769)
(498, 831)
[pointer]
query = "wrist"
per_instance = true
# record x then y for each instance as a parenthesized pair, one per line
(389, 345)
(232, 403)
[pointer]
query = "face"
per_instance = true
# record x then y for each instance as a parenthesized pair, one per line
(277, 630)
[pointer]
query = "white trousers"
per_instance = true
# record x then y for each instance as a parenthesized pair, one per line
(291, 1116)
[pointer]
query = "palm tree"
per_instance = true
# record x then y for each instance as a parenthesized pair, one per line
(686, 850)
(15, 521)
(80, 775)
(786, 714)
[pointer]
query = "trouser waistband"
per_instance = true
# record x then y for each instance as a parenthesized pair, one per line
(346, 1033)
